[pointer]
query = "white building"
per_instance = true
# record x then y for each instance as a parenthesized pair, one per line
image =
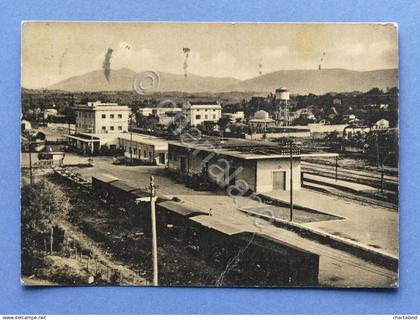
(157, 111)
(261, 120)
(50, 113)
(198, 112)
(144, 148)
(262, 167)
(381, 124)
(235, 117)
(98, 117)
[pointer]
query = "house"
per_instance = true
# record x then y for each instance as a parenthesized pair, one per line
(97, 117)
(261, 121)
(237, 116)
(250, 165)
(200, 111)
(25, 125)
(47, 113)
(381, 124)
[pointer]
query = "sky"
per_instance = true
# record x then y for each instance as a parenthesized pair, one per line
(55, 51)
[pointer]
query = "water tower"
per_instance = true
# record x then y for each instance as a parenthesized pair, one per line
(282, 97)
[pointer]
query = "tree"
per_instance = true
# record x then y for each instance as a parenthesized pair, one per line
(42, 205)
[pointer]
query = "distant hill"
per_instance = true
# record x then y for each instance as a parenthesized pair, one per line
(320, 81)
(122, 80)
(298, 81)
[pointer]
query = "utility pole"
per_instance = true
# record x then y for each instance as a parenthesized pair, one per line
(152, 189)
(291, 181)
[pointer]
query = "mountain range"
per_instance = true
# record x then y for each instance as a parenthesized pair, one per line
(297, 81)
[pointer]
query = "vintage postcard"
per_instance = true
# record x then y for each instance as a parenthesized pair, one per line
(209, 154)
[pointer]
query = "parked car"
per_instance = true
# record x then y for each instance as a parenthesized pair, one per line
(118, 160)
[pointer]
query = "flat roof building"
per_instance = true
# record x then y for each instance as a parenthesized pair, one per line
(261, 166)
(201, 111)
(144, 148)
(98, 117)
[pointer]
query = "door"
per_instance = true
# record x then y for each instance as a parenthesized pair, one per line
(183, 165)
(161, 158)
(279, 180)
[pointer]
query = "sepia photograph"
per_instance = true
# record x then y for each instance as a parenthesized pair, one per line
(209, 154)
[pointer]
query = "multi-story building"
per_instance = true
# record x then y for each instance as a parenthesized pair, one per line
(98, 117)
(198, 112)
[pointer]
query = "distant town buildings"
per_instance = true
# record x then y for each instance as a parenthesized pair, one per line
(98, 117)
(237, 116)
(381, 124)
(201, 111)
(157, 111)
(49, 113)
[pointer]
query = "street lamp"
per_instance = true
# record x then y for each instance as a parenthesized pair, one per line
(152, 193)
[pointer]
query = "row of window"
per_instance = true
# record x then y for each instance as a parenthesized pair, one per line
(112, 128)
(198, 117)
(83, 126)
(90, 115)
(104, 128)
(111, 116)
(135, 151)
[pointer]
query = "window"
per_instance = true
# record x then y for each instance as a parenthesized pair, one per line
(111, 116)
(206, 117)
(104, 116)
(197, 117)
(111, 128)
(175, 157)
(145, 153)
(214, 116)
(103, 128)
(120, 128)
(119, 116)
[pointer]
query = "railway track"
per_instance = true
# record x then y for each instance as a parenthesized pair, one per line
(365, 177)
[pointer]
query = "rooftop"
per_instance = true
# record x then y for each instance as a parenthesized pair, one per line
(145, 139)
(98, 105)
(203, 104)
(246, 149)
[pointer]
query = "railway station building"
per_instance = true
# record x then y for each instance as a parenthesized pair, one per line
(262, 166)
(144, 148)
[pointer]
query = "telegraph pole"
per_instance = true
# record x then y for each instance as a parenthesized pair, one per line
(152, 189)
(291, 181)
